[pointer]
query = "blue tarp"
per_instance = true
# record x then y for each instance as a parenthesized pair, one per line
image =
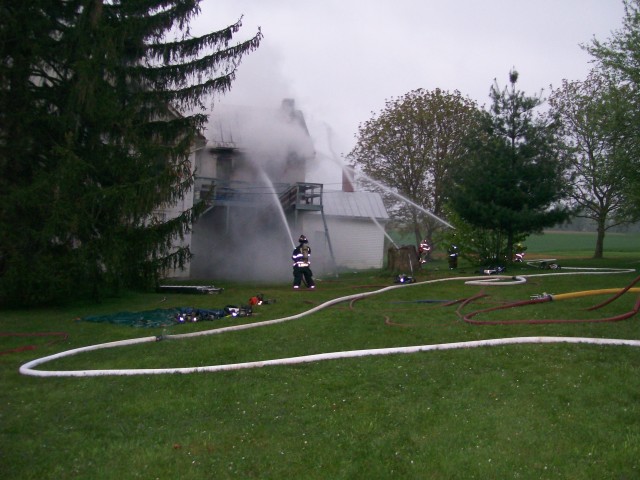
(159, 317)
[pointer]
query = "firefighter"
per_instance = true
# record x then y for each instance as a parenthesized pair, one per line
(519, 250)
(423, 251)
(453, 256)
(301, 264)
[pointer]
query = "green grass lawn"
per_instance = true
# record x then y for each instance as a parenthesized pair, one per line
(582, 243)
(517, 411)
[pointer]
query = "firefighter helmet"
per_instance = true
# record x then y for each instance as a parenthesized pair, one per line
(303, 239)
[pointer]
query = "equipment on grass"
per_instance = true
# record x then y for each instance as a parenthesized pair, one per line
(165, 317)
(260, 300)
(235, 311)
(493, 270)
(187, 315)
(402, 278)
(206, 289)
(549, 266)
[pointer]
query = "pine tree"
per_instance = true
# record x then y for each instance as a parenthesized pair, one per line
(511, 182)
(99, 112)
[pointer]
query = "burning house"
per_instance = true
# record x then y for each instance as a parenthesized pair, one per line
(252, 173)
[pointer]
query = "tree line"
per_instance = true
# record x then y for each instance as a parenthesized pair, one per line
(101, 103)
(524, 164)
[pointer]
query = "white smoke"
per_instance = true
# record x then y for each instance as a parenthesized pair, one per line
(247, 239)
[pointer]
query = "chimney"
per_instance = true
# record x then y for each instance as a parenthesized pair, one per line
(347, 178)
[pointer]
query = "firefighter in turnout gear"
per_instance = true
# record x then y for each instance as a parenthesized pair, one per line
(301, 264)
(452, 253)
(519, 250)
(423, 251)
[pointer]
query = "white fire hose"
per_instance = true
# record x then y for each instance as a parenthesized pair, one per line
(29, 367)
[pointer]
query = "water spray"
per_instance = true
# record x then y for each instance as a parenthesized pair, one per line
(373, 219)
(390, 191)
(277, 203)
(405, 199)
(336, 159)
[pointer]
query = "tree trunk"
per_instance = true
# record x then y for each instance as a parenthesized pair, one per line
(416, 228)
(510, 246)
(599, 240)
(403, 260)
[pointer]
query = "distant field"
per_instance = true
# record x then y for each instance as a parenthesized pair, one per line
(561, 242)
(568, 244)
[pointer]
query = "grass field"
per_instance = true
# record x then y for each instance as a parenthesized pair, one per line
(563, 244)
(532, 411)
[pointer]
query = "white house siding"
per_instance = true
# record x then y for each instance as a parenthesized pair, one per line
(172, 211)
(357, 243)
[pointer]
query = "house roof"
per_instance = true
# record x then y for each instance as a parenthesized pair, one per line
(354, 205)
(260, 129)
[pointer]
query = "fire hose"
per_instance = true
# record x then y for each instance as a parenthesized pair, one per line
(29, 367)
(59, 336)
(548, 298)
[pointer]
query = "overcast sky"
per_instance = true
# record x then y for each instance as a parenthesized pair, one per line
(342, 59)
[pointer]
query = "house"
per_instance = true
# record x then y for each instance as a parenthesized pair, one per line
(251, 172)
(355, 224)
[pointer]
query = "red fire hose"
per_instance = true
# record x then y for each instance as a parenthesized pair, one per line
(60, 336)
(616, 318)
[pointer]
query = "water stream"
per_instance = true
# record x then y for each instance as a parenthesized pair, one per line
(388, 190)
(384, 231)
(276, 200)
(405, 199)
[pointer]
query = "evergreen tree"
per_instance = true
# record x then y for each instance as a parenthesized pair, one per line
(511, 181)
(97, 124)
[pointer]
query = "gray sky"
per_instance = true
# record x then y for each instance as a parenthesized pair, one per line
(342, 59)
